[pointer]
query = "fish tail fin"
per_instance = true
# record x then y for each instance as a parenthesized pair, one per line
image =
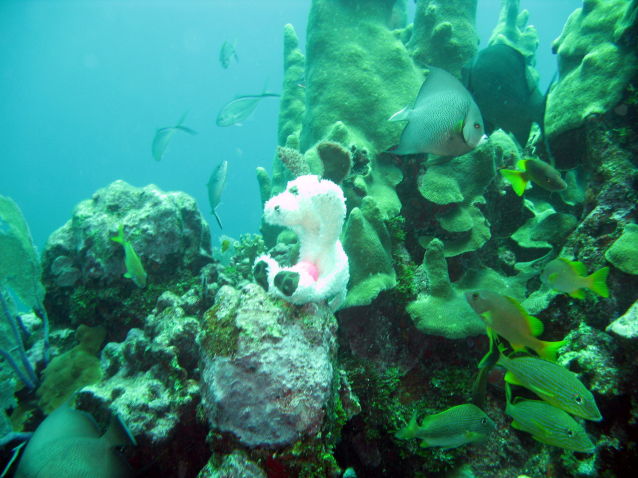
(516, 179)
(549, 350)
(408, 431)
(182, 119)
(120, 235)
(219, 221)
(598, 282)
(402, 115)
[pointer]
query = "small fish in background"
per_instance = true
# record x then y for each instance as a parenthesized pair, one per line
(571, 277)
(548, 424)
(505, 92)
(451, 428)
(134, 268)
(215, 186)
(506, 317)
(240, 108)
(68, 444)
(444, 119)
(539, 172)
(163, 137)
(554, 384)
(226, 53)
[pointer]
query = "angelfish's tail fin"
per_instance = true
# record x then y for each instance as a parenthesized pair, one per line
(219, 221)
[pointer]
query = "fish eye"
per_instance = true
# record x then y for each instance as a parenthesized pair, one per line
(477, 126)
(294, 190)
(570, 433)
(483, 421)
(475, 295)
(579, 399)
(277, 208)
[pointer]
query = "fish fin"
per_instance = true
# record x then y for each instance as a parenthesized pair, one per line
(518, 347)
(487, 317)
(401, 115)
(511, 379)
(409, 431)
(598, 282)
(516, 179)
(185, 129)
(458, 128)
(181, 119)
(219, 221)
(552, 277)
(522, 164)
(118, 434)
(120, 235)
(128, 275)
(535, 325)
(516, 426)
(577, 294)
(549, 350)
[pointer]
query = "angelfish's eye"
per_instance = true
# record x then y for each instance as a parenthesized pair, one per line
(477, 126)
(294, 190)
(475, 295)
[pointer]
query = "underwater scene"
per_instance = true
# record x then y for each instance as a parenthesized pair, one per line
(319, 238)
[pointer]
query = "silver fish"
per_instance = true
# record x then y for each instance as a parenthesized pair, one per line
(444, 119)
(215, 186)
(226, 53)
(163, 137)
(240, 108)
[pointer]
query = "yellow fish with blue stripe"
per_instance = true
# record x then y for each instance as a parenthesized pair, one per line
(451, 428)
(554, 384)
(548, 424)
(507, 318)
(134, 268)
(571, 277)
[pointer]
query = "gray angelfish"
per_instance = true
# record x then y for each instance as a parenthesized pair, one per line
(226, 53)
(215, 186)
(505, 92)
(68, 443)
(163, 137)
(237, 110)
(444, 119)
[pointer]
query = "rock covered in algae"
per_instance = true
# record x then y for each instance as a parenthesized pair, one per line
(270, 383)
(166, 229)
(444, 34)
(441, 309)
(147, 377)
(623, 253)
(627, 324)
(594, 65)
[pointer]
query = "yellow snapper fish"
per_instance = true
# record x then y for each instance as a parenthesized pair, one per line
(571, 277)
(134, 268)
(548, 424)
(554, 384)
(507, 318)
(451, 428)
(537, 171)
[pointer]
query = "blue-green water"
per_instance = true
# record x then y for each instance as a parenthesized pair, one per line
(85, 84)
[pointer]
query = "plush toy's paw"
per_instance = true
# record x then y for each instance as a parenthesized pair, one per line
(260, 272)
(287, 282)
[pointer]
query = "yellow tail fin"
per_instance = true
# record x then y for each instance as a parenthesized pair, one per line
(549, 351)
(516, 179)
(598, 282)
